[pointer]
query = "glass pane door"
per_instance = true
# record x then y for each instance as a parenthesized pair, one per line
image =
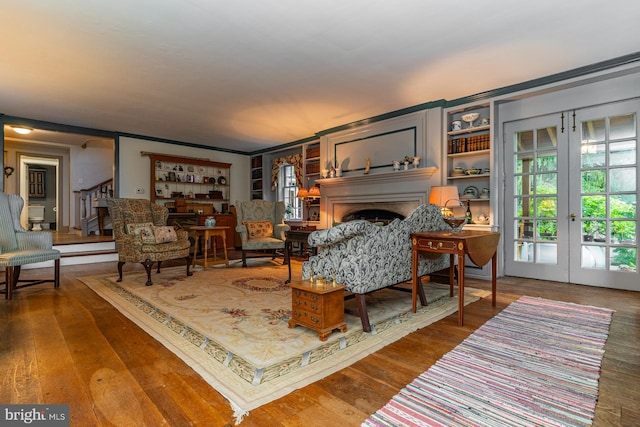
(536, 199)
(571, 196)
(606, 179)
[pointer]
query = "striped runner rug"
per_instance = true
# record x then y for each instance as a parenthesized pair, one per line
(537, 363)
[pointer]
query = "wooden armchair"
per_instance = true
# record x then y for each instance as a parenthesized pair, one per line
(141, 235)
(19, 247)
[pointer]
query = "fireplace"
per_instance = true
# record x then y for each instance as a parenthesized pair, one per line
(378, 216)
(397, 193)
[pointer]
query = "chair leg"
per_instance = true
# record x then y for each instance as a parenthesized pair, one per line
(362, 310)
(244, 258)
(188, 258)
(147, 266)
(8, 281)
(16, 275)
(158, 271)
(120, 264)
(56, 273)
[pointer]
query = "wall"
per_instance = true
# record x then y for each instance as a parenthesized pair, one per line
(134, 169)
(382, 142)
(16, 148)
(91, 165)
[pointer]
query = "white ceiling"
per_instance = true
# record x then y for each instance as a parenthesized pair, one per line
(252, 74)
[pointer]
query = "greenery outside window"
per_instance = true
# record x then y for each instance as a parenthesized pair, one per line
(288, 192)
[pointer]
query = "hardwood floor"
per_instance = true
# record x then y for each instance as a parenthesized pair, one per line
(70, 346)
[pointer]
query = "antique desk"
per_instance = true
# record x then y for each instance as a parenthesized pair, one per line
(207, 233)
(318, 306)
(300, 235)
(480, 246)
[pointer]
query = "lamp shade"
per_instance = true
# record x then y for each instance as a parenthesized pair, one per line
(302, 193)
(440, 194)
(314, 192)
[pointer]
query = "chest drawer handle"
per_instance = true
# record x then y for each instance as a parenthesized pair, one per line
(431, 246)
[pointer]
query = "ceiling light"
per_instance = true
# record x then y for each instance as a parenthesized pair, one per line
(22, 130)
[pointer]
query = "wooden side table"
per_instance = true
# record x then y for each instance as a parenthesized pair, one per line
(481, 246)
(207, 233)
(319, 307)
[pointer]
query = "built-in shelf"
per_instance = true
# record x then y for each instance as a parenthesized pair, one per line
(469, 130)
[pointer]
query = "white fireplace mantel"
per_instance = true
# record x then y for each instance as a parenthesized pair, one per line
(400, 191)
(401, 176)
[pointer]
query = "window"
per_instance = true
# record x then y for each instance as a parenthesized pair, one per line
(288, 192)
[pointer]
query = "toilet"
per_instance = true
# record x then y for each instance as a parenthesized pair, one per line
(36, 217)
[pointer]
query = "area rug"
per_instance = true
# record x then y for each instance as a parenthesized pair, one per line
(230, 326)
(537, 363)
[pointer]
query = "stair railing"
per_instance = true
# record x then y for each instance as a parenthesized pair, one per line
(90, 200)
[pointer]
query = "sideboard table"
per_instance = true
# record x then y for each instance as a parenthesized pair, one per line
(480, 246)
(318, 306)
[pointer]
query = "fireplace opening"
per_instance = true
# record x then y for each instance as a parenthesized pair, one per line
(373, 215)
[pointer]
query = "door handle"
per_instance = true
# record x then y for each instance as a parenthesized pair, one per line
(572, 216)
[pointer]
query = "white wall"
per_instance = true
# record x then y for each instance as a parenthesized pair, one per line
(134, 170)
(91, 165)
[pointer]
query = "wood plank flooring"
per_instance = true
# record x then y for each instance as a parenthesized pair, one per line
(70, 346)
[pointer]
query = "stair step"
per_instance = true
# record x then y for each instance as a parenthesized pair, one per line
(87, 253)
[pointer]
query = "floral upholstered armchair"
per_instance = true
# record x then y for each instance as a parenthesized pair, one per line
(141, 235)
(366, 257)
(261, 226)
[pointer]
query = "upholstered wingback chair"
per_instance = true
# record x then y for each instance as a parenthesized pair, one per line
(19, 247)
(261, 226)
(367, 257)
(141, 235)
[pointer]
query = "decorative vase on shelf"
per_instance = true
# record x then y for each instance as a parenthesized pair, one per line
(210, 222)
(416, 162)
(406, 165)
(396, 165)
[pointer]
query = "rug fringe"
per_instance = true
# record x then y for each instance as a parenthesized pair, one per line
(238, 412)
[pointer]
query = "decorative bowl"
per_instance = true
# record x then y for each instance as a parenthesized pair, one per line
(470, 118)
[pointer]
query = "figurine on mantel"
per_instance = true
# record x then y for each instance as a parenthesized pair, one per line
(406, 162)
(368, 166)
(332, 172)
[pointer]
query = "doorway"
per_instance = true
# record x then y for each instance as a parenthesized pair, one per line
(571, 196)
(45, 190)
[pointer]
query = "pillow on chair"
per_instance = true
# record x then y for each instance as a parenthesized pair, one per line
(144, 230)
(257, 229)
(165, 234)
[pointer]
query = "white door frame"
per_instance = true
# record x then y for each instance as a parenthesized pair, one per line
(24, 162)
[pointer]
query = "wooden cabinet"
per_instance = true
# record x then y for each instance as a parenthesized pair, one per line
(37, 183)
(319, 307)
(469, 159)
(185, 184)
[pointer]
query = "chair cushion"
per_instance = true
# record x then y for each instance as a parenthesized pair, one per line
(258, 229)
(164, 234)
(144, 230)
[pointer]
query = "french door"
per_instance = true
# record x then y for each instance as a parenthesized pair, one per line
(571, 196)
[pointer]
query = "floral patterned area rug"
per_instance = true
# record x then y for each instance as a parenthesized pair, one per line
(230, 326)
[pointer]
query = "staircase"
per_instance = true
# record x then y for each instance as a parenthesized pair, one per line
(92, 214)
